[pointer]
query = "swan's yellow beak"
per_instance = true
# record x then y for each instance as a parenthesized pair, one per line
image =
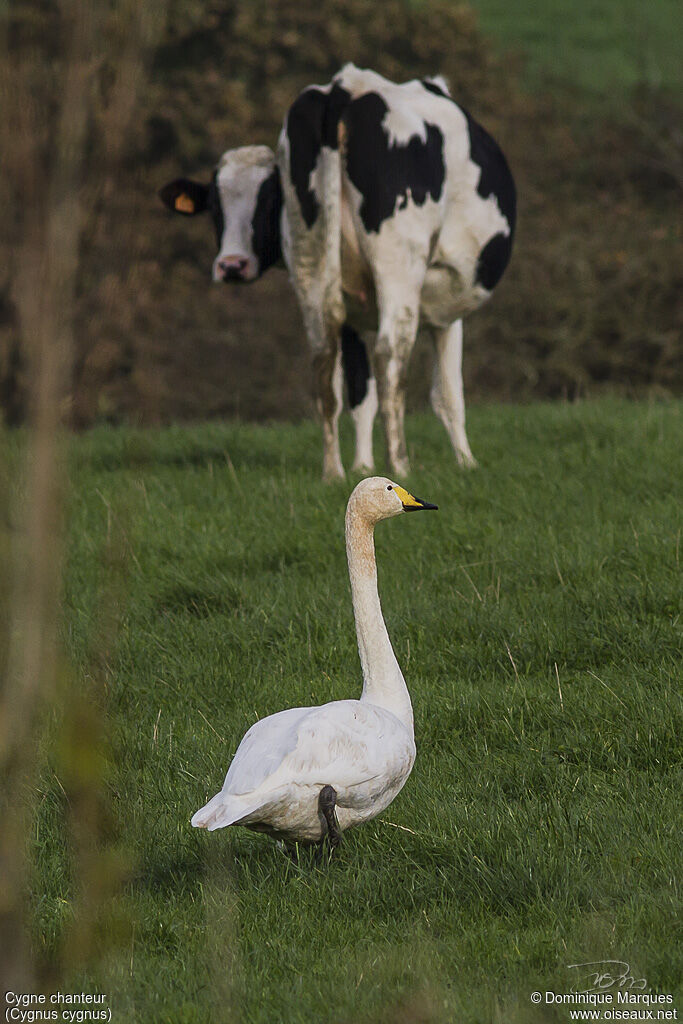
(410, 502)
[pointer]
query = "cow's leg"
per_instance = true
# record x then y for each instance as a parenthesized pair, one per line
(399, 314)
(362, 393)
(447, 395)
(327, 385)
(363, 416)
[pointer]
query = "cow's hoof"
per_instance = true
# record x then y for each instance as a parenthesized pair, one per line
(401, 469)
(363, 468)
(333, 475)
(466, 460)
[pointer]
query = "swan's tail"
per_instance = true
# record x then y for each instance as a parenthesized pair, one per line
(223, 810)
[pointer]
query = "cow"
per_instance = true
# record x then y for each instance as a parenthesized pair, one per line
(392, 208)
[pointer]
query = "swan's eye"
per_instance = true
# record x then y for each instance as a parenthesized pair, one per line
(390, 488)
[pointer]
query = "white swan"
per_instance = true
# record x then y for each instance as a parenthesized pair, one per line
(294, 768)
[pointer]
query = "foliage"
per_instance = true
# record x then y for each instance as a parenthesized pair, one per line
(608, 48)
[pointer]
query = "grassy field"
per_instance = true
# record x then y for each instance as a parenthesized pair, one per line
(603, 46)
(537, 620)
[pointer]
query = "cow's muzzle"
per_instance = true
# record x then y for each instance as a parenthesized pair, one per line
(233, 268)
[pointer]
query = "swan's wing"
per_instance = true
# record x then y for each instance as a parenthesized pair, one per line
(345, 744)
(349, 743)
(263, 749)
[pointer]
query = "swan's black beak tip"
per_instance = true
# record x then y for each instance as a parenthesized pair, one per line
(420, 505)
(409, 501)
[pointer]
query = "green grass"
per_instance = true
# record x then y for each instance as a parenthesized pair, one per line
(603, 46)
(538, 828)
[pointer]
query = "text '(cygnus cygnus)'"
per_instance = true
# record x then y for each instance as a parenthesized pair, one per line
(305, 773)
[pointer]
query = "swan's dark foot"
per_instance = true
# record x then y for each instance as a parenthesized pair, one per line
(327, 801)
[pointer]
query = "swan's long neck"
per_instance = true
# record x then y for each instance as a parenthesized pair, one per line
(383, 682)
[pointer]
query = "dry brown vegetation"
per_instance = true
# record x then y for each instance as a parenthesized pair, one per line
(592, 298)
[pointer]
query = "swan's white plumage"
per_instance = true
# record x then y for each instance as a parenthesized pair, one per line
(364, 748)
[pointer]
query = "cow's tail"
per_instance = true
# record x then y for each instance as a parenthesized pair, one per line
(310, 165)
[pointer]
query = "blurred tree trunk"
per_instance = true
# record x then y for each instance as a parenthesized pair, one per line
(63, 120)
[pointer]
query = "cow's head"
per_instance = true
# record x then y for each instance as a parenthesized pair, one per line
(244, 199)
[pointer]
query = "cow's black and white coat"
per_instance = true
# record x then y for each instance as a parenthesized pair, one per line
(391, 208)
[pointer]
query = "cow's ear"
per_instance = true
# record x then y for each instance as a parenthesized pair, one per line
(185, 196)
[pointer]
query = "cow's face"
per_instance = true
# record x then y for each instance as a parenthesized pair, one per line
(244, 200)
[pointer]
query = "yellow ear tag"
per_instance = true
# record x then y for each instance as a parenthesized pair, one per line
(184, 204)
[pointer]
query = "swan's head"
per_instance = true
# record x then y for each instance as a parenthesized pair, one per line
(378, 498)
